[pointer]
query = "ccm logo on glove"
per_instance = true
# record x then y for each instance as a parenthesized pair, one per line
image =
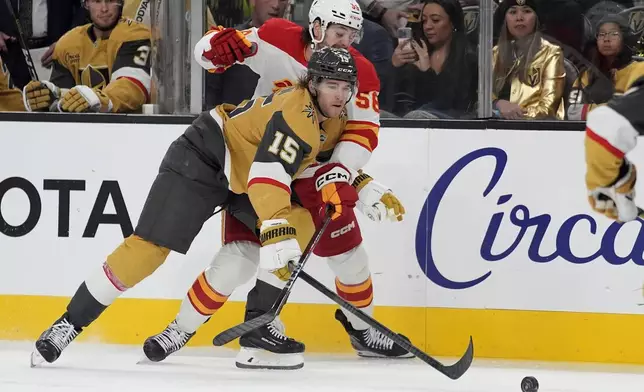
(337, 174)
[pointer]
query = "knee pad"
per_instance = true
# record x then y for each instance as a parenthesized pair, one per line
(232, 266)
(351, 267)
(135, 259)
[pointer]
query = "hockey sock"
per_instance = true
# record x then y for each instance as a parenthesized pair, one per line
(201, 302)
(353, 282)
(359, 295)
(232, 266)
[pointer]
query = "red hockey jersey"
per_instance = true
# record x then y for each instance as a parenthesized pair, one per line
(280, 61)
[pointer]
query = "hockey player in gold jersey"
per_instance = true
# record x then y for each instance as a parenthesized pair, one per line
(10, 97)
(103, 66)
(243, 159)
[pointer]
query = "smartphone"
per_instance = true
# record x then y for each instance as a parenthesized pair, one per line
(404, 34)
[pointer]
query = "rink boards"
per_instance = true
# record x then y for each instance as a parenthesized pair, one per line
(498, 243)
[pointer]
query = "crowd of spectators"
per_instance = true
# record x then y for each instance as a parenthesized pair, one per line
(551, 60)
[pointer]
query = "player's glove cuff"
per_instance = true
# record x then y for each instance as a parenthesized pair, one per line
(276, 230)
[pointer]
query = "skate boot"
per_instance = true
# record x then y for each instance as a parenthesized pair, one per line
(268, 348)
(53, 341)
(371, 343)
(170, 340)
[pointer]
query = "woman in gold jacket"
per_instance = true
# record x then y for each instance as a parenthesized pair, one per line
(612, 70)
(528, 70)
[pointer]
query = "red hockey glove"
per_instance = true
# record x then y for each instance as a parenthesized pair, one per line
(333, 182)
(228, 46)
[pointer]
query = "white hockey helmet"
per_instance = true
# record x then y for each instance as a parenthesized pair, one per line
(343, 12)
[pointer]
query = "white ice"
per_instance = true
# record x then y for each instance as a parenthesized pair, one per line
(101, 368)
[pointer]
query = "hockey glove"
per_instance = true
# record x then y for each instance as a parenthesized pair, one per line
(279, 247)
(82, 98)
(617, 201)
(376, 201)
(228, 46)
(40, 96)
(332, 181)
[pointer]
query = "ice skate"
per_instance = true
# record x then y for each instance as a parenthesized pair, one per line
(268, 348)
(172, 339)
(53, 341)
(370, 343)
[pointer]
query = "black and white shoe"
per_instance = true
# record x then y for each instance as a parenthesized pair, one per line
(371, 343)
(53, 341)
(268, 348)
(172, 339)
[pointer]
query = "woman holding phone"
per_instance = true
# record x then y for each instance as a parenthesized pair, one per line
(436, 70)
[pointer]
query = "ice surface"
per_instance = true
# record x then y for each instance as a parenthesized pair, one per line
(100, 368)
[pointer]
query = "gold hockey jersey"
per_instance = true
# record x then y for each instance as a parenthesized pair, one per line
(270, 141)
(10, 97)
(119, 65)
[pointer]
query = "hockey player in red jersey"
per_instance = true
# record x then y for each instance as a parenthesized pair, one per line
(612, 131)
(278, 51)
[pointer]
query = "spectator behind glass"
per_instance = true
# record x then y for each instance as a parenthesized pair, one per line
(528, 76)
(613, 69)
(99, 67)
(437, 74)
(43, 22)
(10, 97)
(377, 46)
(239, 81)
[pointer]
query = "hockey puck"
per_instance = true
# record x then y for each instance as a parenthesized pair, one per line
(529, 384)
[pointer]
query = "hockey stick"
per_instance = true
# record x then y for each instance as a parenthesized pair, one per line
(23, 44)
(237, 331)
(452, 371)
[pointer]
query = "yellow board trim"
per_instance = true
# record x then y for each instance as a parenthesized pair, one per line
(510, 334)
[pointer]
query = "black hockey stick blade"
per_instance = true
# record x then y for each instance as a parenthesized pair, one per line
(454, 371)
(237, 331)
(23, 44)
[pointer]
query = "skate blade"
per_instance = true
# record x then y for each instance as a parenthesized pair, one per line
(251, 358)
(371, 354)
(144, 361)
(147, 361)
(36, 359)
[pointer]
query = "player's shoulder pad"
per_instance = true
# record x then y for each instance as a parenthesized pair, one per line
(74, 35)
(130, 30)
(70, 39)
(283, 34)
(367, 76)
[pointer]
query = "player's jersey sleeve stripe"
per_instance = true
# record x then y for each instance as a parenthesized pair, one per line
(611, 130)
(139, 76)
(604, 143)
(361, 124)
(365, 137)
(271, 173)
